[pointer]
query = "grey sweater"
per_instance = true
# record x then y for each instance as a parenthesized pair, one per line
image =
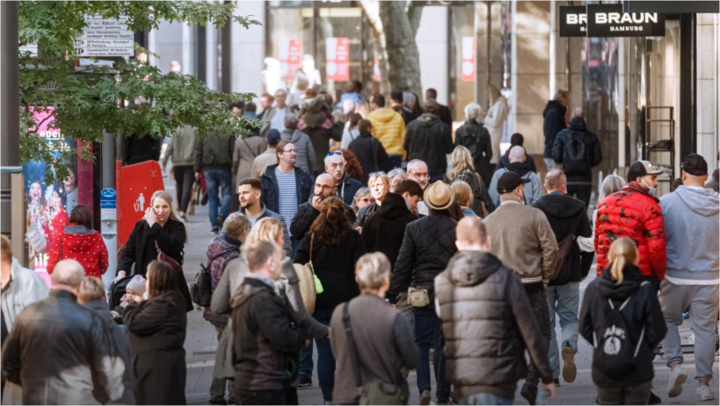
(181, 148)
(303, 146)
(692, 229)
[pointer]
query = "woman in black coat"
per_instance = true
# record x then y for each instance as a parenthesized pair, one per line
(157, 336)
(369, 151)
(336, 246)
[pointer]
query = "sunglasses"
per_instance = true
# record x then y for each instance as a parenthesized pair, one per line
(334, 153)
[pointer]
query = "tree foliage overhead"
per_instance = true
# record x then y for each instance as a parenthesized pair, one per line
(129, 98)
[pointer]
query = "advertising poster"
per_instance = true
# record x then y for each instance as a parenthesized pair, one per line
(468, 59)
(337, 59)
(290, 56)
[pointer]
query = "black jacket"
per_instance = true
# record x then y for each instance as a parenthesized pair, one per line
(157, 336)
(384, 231)
(214, 152)
(504, 161)
(474, 133)
(429, 139)
(140, 247)
(57, 344)
(642, 309)
(445, 114)
(365, 213)
(554, 116)
(335, 266)
(566, 216)
(271, 192)
(306, 215)
(581, 175)
(407, 114)
(320, 138)
(347, 188)
(427, 247)
(141, 149)
(488, 323)
(267, 344)
(370, 153)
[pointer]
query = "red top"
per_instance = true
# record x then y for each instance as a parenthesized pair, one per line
(83, 245)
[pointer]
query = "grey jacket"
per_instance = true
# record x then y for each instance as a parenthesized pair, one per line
(690, 218)
(533, 189)
(181, 147)
(267, 119)
(26, 287)
(246, 150)
(232, 278)
(303, 146)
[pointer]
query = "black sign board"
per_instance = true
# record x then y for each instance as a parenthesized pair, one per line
(609, 20)
(573, 21)
(671, 7)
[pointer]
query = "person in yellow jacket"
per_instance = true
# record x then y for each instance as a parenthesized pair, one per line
(389, 128)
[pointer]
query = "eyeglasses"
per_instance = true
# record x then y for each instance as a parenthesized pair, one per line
(290, 151)
(334, 153)
(365, 200)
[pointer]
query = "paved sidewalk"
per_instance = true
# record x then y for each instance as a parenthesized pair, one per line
(201, 343)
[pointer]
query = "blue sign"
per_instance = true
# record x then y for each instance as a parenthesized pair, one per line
(108, 199)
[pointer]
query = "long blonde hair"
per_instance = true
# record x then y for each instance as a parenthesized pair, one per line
(266, 229)
(461, 160)
(623, 252)
(169, 200)
(463, 193)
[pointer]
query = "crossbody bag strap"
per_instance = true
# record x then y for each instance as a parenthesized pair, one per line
(248, 147)
(351, 346)
(312, 242)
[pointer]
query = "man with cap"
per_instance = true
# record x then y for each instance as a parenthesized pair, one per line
(691, 280)
(524, 241)
(267, 158)
(427, 247)
(518, 165)
(634, 212)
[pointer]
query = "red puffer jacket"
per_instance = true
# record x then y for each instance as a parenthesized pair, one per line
(83, 245)
(635, 214)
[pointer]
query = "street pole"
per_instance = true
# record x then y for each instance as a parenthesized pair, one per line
(9, 105)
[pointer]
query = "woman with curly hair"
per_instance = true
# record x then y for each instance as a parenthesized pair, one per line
(352, 165)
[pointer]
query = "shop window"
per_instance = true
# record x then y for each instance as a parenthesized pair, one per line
(463, 61)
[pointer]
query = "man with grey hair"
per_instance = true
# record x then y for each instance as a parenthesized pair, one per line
(578, 151)
(368, 334)
(475, 137)
(304, 150)
(533, 187)
(60, 351)
(345, 186)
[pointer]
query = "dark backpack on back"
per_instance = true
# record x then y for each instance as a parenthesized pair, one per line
(563, 266)
(201, 288)
(471, 141)
(615, 349)
(575, 156)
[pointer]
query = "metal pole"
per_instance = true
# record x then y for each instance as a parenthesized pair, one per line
(226, 55)
(9, 105)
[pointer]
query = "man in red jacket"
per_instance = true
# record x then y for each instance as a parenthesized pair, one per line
(634, 212)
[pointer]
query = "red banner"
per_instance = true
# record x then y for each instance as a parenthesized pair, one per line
(468, 59)
(337, 59)
(135, 185)
(290, 56)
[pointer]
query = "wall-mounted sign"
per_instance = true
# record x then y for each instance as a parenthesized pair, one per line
(337, 59)
(609, 20)
(290, 54)
(105, 37)
(573, 21)
(468, 59)
(671, 7)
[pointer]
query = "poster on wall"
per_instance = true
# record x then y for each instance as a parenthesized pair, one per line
(290, 57)
(337, 59)
(49, 205)
(468, 59)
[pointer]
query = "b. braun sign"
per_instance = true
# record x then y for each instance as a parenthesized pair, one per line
(601, 20)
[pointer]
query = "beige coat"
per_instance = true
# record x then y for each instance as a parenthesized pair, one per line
(246, 150)
(260, 164)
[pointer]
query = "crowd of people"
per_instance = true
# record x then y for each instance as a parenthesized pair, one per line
(342, 228)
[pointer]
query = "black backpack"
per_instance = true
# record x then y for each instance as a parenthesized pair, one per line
(615, 349)
(471, 141)
(201, 288)
(575, 157)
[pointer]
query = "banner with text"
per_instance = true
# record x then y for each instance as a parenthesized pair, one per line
(337, 59)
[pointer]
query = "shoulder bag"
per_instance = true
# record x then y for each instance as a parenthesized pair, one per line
(176, 266)
(310, 285)
(374, 393)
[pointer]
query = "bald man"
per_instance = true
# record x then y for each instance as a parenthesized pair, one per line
(310, 210)
(517, 165)
(60, 351)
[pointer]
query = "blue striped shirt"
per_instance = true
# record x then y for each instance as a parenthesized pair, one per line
(287, 196)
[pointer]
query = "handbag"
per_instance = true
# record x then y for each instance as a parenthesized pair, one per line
(310, 284)
(168, 259)
(374, 393)
(418, 296)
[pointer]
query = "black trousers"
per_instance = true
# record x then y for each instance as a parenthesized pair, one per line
(267, 397)
(184, 179)
(581, 192)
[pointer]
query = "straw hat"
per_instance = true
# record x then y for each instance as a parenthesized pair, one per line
(438, 196)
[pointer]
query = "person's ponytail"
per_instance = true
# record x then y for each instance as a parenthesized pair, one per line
(622, 253)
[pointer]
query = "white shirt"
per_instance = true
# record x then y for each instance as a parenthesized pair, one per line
(278, 120)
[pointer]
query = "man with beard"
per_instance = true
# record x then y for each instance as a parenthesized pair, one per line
(310, 210)
(249, 194)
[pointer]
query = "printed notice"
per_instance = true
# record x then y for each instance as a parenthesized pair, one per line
(105, 37)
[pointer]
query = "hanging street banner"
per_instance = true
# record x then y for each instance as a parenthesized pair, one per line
(290, 55)
(337, 59)
(468, 59)
(609, 20)
(105, 37)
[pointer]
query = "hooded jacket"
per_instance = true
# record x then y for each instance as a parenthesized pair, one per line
(567, 216)
(347, 188)
(83, 245)
(181, 147)
(389, 128)
(633, 213)
(314, 111)
(582, 175)
(488, 323)
(505, 161)
(429, 139)
(474, 133)
(690, 215)
(370, 153)
(384, 231)
(554, 122)
(642, 309)
(221, 250)
(305, 152)
(533, 189)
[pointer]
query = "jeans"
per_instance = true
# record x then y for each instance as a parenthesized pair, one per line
(428, 331)
(184, 178)
(539, 305)
(326, 359)
(295, 245)
(632, 395)
(580, 192)
(217, 386)
(306, 361)
(550, 163)
(268, 397)
(485, 399)
(703, 303)
(563, 300)
(214, 179)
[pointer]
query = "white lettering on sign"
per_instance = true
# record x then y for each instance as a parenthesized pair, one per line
(575, 19)
(626, 18)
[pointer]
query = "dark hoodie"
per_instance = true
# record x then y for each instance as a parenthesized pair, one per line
(370, 153)
(488, 323)
(567, 216)
(578, 173)
(347, 188)
(504, 161)
(642, 309)
(384, 231)
(429, 139)
(554, 116)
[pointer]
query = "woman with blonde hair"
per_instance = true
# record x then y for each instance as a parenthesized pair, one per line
(622, 319)
(464, 197)
(463, 169)
(611, 184)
